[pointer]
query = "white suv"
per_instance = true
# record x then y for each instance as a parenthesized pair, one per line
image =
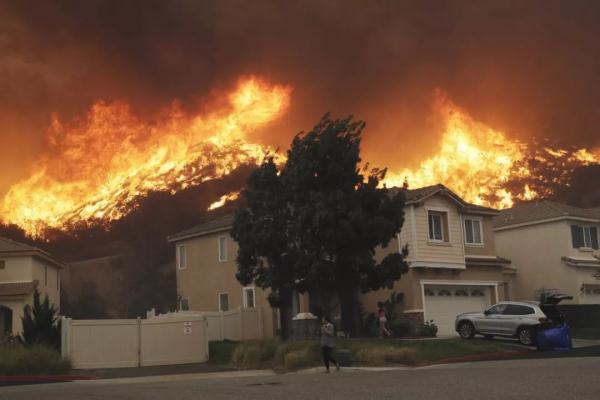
(513, 319)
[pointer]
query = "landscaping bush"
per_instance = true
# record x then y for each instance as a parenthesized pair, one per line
(380, 355)
(34, 360)
(402, 328)
(428, 329)
(254, 354)
(298, 359)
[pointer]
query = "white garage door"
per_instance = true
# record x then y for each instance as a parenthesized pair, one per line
(444, 302)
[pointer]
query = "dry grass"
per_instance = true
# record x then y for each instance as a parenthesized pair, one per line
(385, 355)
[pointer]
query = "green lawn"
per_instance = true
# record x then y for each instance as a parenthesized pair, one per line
(293, 355)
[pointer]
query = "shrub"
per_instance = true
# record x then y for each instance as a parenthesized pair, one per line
(32, 360)
(402, 328)
(380, 355)
(40, 323)
(254, 354)
(429, 329)
(299, 359)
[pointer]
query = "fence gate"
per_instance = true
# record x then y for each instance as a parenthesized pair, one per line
(121, 343)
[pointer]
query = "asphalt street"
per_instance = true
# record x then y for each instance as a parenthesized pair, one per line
(542, 378)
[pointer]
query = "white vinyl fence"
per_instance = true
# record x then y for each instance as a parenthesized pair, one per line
(237, 324)
(134, 342)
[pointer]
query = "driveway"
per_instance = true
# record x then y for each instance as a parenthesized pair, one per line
(543, 379)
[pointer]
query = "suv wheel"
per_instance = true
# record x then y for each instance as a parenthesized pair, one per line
(466, 330)
(526, 336)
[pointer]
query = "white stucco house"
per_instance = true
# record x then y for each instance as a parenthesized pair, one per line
(554, 246)
(24, 268)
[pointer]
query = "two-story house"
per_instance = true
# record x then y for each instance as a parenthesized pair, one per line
(205, 267)
(453, 265)
(24, 268)
(452, 258)
(554, 246)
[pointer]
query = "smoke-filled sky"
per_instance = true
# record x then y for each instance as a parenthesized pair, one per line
(529, 68)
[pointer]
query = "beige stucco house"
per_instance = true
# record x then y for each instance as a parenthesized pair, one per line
(453, 264)
(24, 268)
(555, 247)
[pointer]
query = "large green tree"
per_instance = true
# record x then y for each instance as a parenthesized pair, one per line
(315, 224)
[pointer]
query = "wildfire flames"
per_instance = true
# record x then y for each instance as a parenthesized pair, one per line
(98, 168)
(485, 167)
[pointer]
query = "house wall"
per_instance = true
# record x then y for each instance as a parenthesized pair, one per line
(205, 277)
(489, 244)
(49, 286)
(16, 269)
(451, 252)
(536, 252)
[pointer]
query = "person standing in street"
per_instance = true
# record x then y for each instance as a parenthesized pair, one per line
(328, 343)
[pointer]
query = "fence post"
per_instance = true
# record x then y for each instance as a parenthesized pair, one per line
(241, 317)
(64, 337)
(139, 340)
(221, 322)
(260, 323)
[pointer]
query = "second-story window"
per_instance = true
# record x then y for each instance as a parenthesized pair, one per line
(473, 234)
(438, 226)
(181, 257)
(584, 236)
(222, 248)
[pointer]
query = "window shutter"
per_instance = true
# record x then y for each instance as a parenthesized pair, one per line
(594, 237)
(577, 236)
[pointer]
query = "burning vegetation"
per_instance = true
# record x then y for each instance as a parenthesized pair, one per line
(100, 167)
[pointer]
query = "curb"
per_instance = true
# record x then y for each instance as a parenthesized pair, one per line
(30, 379)
(498, 356)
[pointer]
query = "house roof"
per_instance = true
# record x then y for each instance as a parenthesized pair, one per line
(412, 196)
(213, 225)
(415, 196)
(541, 211)
(17, 288)
(11, 248)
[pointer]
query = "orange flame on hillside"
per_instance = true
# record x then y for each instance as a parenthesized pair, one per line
(478, 163)
(97, 168)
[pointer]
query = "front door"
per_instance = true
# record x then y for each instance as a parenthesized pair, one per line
(5, 321)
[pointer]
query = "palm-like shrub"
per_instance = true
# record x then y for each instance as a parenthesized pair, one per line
(40, 324)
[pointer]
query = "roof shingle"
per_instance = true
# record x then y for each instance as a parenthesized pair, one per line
(539, 211)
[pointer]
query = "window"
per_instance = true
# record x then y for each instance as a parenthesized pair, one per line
(181, 257)
(514, 309)
(444, 292)
(584, 236)
(429, 292)
(2, 264)
(45, 275)
(249, 297)
(473, 234)
(477, 293)
(497, 309)
(438, 226)
(57, 280)
(461, 293)
(184, 304)
(222, 248)
(223, 302)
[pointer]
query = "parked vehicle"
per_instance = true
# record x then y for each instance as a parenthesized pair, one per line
(513, 319)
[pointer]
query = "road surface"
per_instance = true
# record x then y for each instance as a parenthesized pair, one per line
(545, 379)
